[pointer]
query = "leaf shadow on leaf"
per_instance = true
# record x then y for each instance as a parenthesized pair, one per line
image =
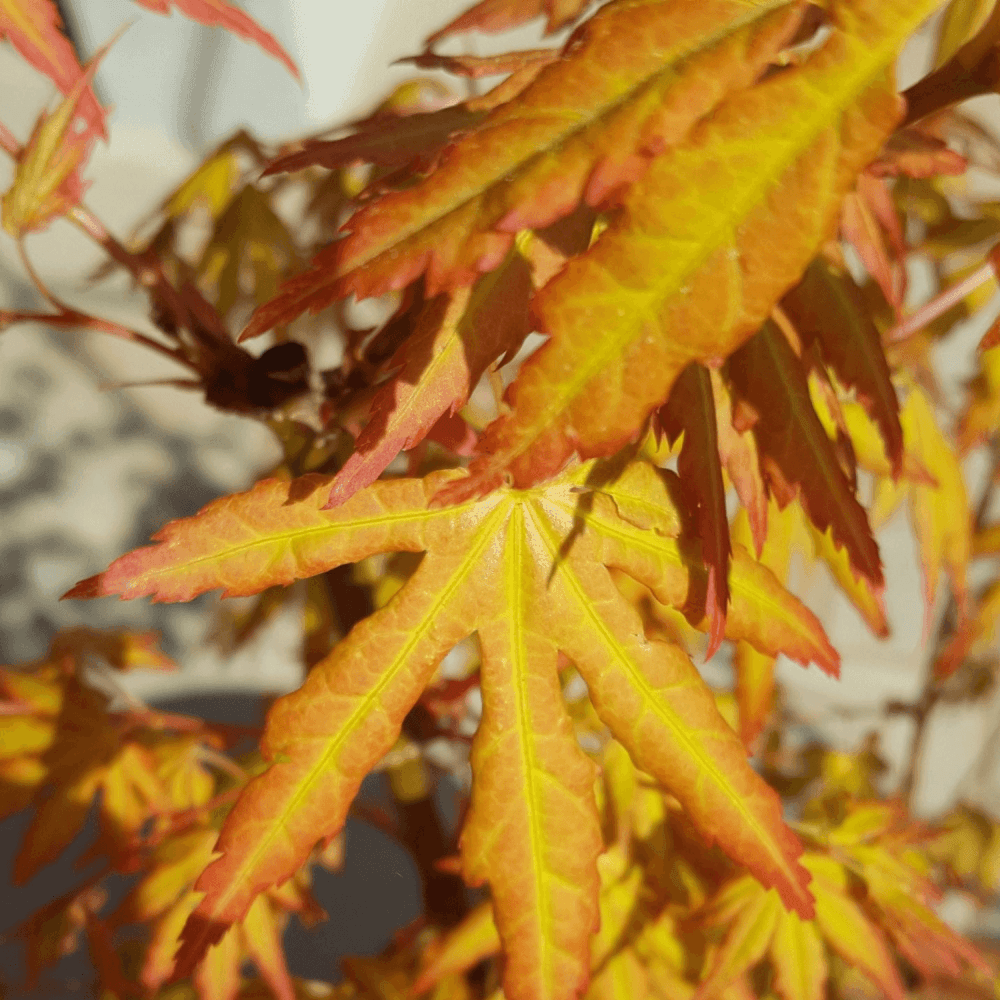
(604, 473)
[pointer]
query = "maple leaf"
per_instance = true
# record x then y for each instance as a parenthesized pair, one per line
(165, 898)
(633, 81)
(86, 755)
(474, 67)
(34, 29)
(738, 453)
(827, 309)
(691, 411)
(873, 843)
(688, 272)
(249, 239)
(494, 16)
(790, 531)
(912, 153)
(795, 451)
(870, 223)
(982, 411)
(757, 926)
(47, 180)
(938, 509)
(385, 140)
(529, 571)
(455, 339)
(963, 20)
(464, 946)
(218, 13)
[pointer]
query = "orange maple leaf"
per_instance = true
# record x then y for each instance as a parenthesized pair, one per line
(528, 571)
(34, 28)
(633, 81)
(218, 13)
(494, 16)
(690, 270)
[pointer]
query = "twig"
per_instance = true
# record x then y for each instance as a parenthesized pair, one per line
(219, 760)
(37, 281)
(70, 318)
(67, 316)
(940, 304)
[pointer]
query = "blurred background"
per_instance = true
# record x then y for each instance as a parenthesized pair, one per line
(89, 469)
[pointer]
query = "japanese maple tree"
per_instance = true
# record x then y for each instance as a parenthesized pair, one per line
(645, 339)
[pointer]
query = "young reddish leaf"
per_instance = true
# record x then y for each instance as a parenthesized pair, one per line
(796, 452)
(218, 13)
(475, 67)
(494, 16)
(827, 309)
(456, 338)
(386, 140)
(524, 569)
(587, 126)
(912, 153)
(738, 453)
(869, 223)
(690, 410)
(47, 182)
(34, 28)
(688, 272)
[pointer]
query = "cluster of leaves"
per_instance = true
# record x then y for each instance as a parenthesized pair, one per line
(709, 211)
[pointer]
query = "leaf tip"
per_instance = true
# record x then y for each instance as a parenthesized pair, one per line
(85, 589)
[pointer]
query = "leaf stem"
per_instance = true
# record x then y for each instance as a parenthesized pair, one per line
(66, 316)
(222, 762)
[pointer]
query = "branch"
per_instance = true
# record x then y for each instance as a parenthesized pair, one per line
(70, 318)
